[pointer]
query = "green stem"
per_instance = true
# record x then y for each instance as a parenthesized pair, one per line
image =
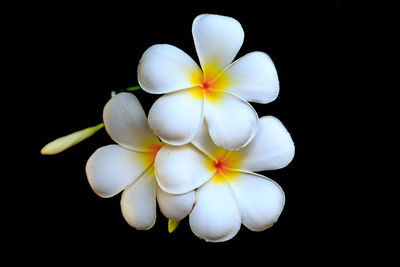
(133, 88)
(98, 127)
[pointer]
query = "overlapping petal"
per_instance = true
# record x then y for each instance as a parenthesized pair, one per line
(216, 216)
(181, 169)
(253, 77)
(260, 200)
(175, 207)
(126, 122)
(217, 40)
(165, 68)
(203, 141)
(232, 122)
(138, 201)
(176, 117)
(111, 168)
(272, 148)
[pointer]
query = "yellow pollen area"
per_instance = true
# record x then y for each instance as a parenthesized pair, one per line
(149, 157)
(224, 165)
(209, 83)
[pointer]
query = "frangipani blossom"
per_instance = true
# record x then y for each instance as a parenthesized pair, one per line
(217, 92)
(128, 166)
(229, 193)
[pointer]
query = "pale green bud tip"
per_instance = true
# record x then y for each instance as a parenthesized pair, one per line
(172, 225)
(65, 142)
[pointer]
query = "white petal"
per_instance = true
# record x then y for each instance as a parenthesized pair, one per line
(203, 141)
(181, 169)
(260, 200)
(138, 201)
(253, 77)
(175, 207)
(272, 147)
(111, 168)
(165, 68)
(232, 122)
(217, 39)
(215, 217)
(126, 122)
(176, 117)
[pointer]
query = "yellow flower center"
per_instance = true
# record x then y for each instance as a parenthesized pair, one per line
(209, 83)
(224, 165)
(150, 157)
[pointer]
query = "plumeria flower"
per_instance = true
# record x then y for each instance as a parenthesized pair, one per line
(217, 92)
(229, 193)
(128, 166)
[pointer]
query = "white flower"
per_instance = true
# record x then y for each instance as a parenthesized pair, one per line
(128, 166)
(228, 191)
(218, 92)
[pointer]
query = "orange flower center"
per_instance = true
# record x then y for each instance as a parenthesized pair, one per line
(154, 150)
(224, 165)
(150, 157)
(205, 85)
(209, 83)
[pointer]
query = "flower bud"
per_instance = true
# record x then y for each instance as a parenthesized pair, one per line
(172, 225)
(65, 142)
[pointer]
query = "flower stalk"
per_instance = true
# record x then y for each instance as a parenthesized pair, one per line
(133, 88)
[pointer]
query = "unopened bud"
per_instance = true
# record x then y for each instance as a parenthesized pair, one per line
(65, 142)
(172, 225)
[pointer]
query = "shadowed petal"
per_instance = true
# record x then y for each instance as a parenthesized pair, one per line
(181, 169)
(126, 123)
(111, 168)
(215, 217)
(177, 117)
(165, 68)
(232, 122)
(175, 207)
(138, 201)
(272, 148)
(260, 200)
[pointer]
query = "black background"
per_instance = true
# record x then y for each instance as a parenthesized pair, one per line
(73, 56)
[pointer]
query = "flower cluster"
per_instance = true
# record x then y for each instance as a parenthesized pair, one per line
(197, 153)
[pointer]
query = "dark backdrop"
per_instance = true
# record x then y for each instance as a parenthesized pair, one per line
(72, 58)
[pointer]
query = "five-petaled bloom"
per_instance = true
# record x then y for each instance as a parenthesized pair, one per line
(218, 92)
(228, 192)
(129, 166)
